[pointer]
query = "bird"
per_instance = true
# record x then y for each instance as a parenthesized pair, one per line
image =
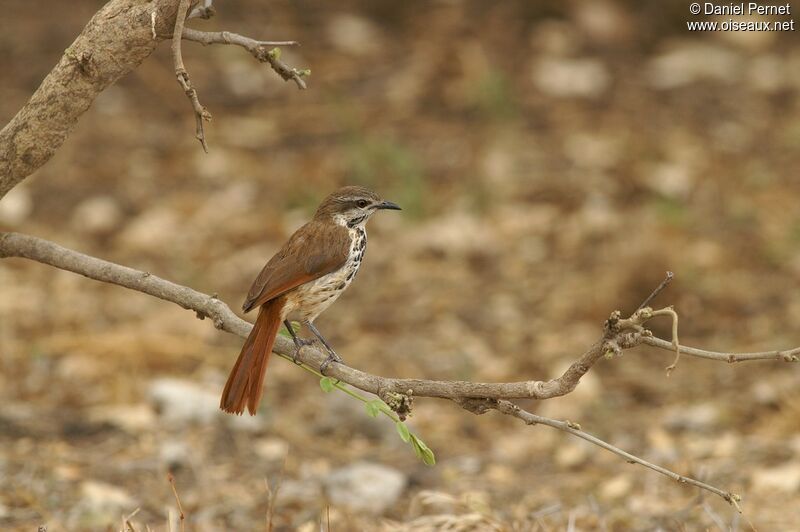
(310, 271)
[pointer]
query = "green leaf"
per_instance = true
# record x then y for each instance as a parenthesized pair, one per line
(417, 448)
(326, 383)
(374, 407)
(403, 431)
(425, 453)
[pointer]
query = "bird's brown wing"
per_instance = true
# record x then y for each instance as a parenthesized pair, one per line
(314, 250)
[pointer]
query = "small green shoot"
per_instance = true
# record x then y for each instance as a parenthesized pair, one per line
(375, 407)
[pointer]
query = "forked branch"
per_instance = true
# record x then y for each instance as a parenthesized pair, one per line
(263, 51)
(121, 35)
(619, 334)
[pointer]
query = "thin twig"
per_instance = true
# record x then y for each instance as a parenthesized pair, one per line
(228, 37)
(788, 355)
(509, 408)
(669, 311)
(658, 290)
(171, 480)
(126, 521)
(200, 112)
(259, 49)
(273, 495)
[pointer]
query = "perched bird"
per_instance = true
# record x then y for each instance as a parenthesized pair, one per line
(311, 270)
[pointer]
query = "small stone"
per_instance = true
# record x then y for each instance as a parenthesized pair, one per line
(181, 401)
(784, 478)
(102, 498)
(698, 418)
(604, 21)
(273, 449)
(354, 34)
(97, 215)
(616, 488)
(571, 455)
(672, 179)
(576, 78)
(174, 454)
(768, 73)
(764, 393)
(690, 62)
(299, 492)
(152, 230)
(130, 418)
(365, 487)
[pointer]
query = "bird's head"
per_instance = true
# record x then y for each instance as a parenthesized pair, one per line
(352, 206)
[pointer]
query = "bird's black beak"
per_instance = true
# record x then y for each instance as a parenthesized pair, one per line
(389, 205)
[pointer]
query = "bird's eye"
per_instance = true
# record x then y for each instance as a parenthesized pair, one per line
(362, 203)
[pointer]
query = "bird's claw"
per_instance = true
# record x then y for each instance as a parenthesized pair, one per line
(300, 343)
(332, 357)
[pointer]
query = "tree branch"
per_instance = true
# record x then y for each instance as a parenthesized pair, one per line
(114, 42)
(789, 355)
(510, 409)
(619, 334)
(259, 49)
(200, 112)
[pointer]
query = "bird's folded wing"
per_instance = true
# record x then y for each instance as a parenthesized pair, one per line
(314, 250)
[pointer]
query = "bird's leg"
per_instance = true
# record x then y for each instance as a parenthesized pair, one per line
(299, 343)
(332, 356)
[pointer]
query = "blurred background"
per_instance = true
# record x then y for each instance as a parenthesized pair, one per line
(553, 160)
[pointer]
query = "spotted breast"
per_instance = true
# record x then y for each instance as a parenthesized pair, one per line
(311, 299)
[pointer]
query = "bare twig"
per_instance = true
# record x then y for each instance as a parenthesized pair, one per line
(478, 398)
(259, 49)
(675, 343)
(200, 112)
(789, 355)
(127, 525)
(272, 496)
(228, 37)
(658, 290)
(509, 408)
(182, 516)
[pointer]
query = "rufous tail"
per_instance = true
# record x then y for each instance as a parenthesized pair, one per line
(246, 380)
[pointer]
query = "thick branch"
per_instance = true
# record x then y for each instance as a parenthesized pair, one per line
(114, 42)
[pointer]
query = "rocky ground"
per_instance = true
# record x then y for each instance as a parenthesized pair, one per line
(553, 160)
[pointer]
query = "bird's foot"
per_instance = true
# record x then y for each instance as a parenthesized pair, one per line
(300, 343)
(332, 357)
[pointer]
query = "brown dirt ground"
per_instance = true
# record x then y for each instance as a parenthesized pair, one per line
(554, 160)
